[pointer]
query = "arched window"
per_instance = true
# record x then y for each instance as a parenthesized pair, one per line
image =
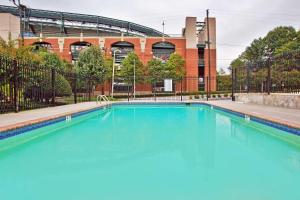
(124, 47)
(42, 45)
(163, 50)
(76, 48)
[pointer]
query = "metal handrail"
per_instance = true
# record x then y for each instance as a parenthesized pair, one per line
(102, 97)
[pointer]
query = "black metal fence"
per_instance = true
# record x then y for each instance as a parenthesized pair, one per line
(26, 86)
(167, 88)
(280, 74)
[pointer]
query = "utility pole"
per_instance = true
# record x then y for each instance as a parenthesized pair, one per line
(208, 48)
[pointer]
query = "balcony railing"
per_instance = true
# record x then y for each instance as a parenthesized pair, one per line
(201, 45)
(201, 62)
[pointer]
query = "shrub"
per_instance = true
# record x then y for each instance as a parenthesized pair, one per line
(191, 97)
(196, 96)
(62, 87)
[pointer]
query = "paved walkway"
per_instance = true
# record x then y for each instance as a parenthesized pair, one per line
(286, 116)
(14, 120)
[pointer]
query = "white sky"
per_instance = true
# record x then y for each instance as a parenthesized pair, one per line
(238, 21)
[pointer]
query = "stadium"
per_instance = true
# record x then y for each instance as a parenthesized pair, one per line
(67, 34)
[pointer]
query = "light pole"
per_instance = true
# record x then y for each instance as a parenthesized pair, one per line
(113, 71)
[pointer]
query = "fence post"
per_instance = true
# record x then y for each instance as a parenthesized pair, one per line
(75, 88)
(207, 93)
(233, 83)
(15, 79)
(180, 90)
(89, 88)
(248, 78)
(128, 92)
(155, 91)
(269, 76)
(53, 85)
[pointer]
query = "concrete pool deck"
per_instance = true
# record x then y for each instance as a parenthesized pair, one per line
(16, 120)
(284, 116)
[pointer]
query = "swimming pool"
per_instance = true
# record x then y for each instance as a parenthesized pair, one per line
(130, 152)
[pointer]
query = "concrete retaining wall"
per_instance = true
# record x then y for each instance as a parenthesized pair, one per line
(279, 100)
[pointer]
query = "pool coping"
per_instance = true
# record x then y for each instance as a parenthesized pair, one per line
(18, 128)
(266, 120)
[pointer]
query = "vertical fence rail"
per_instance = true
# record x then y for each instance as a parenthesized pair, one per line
(25, 86)
(277, 74)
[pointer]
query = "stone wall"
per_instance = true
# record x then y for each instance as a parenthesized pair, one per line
(279, 100)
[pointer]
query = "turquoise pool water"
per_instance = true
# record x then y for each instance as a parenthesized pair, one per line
(151, 152)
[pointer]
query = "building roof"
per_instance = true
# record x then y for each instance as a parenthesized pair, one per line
(55, 22)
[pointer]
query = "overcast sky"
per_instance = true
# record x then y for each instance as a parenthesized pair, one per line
(238, 21)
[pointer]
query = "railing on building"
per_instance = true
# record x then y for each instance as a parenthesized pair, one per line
(201, 62)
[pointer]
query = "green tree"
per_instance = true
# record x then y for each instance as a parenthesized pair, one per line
(256, 51)
(278, 37)
(175, 67)
(223, 82)
(293, 45)
(282, 38)
(11, 50)
(108, 63)
(237, 63)
(69, 67)
(43, 83)
(155, 71)
(127, 68)
(91, 64)
(51, 60)
(281, 45)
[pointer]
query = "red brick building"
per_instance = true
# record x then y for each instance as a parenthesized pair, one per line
(67, 33)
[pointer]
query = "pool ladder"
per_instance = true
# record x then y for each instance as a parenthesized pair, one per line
(102, 97)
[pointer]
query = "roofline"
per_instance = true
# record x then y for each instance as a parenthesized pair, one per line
(83, 18)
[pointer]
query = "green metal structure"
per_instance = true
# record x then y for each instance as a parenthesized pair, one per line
(54, 23)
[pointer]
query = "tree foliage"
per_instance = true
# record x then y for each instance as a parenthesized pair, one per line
(155, 70)
(172, 69)
(280, 50)
(61, 85)
(51, 60)
(23, 54)
(91, 64)
(223, 82)
(175, 67)
(280, 39)
(127, 68)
